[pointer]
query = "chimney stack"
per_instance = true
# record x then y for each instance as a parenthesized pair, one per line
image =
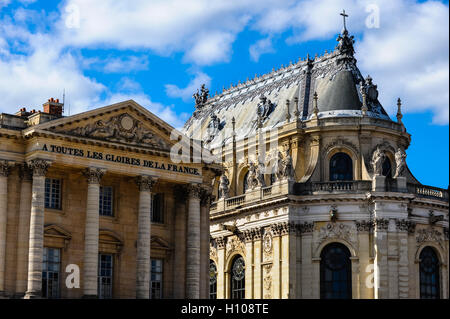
(53, 107)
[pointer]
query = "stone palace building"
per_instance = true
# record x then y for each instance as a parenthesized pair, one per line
(97, 196)
(317, 200)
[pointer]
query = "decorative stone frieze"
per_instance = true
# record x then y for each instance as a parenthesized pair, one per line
(429, 235)
(277, 229)
(195, 191)
(248, 235)
(234, 244)
(257, 233)
(336, 230)
(5, 168)
(306, 227)
(405, 225)
(267, 242)
(382, 224)
(364, 225)
(25, 172)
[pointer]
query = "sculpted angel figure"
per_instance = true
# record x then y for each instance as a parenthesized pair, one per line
(252, 179)
(377, 161)
(223, 186)
(400, 161)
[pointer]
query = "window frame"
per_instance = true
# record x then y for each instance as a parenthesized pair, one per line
(46, 272)
(326, 272)
(437, 274)
(161, 208)
(212, 285)
(160, 281)
(48, 194)
(100, 277)
(101, 208)
(239, 291)
(350, 171)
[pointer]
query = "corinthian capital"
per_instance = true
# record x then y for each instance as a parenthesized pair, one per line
(145, 183)
(94, 175)
(195, 191)
(39, 167)
(4, 168)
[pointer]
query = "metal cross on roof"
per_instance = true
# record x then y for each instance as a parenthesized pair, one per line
(344, 16)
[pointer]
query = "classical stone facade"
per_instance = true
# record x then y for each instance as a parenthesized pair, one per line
(339, 215)
(98, 191)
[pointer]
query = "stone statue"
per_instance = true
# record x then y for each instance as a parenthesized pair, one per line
(252, 178)
(288, 171)
(260, 175)
(377, 161)
(213, 128)
(201, 97)
(345, 43)
(264, 108)
(400, 161)
(223, 186)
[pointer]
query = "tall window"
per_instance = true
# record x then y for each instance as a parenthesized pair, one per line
(238, 278)
(158, 208)
(156, 284)
(50, 272)
(212, 280)
(387, 167)
(106, 201)
(335, 272)
(53, 193)
(341, 167)
(245, 183)
(105, 276)
(429, 274)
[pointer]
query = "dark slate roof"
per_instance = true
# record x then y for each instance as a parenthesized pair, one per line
(334, 76)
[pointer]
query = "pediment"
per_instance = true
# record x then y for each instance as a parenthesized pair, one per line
(56, 231)
(109, 237)
(159, 243)
(125, 123)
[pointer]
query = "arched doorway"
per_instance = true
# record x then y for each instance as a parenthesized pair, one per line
(335, 272)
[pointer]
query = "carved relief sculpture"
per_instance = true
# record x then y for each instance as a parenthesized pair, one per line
(400, 161)
(377, 162)
(224, 186)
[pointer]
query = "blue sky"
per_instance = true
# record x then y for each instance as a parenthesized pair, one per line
(159, 52)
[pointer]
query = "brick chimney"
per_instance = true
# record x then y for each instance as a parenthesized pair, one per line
(53, 107)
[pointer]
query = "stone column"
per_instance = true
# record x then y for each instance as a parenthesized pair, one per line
(276, 268)
(286, 260)
(23, 230)
(193, 244)
(248, 237)
(306, 230)
(365, 268)
(205, 202)
(257, 277)
(4, 172)
(381, 272)
(221, 286)
(90, 271)
(36, 238)
(143, 265)
(404, 228)
(179, 241)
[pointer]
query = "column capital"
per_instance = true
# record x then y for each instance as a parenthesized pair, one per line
(5, 168)
(39, 166)
(25, 172)
(205, 196)
(145, 183)
(94, 175)
(194, 190)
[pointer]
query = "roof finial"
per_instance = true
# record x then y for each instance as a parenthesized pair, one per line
(315, 107)
(399, 111)
(344, 16)
(288, 112)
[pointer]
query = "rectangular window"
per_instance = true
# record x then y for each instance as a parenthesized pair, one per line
(105, 276)
(53, 193)
(106, 201)
(51, 264)
(158, 208)
(156, 282)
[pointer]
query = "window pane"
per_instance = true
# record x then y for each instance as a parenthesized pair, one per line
(335, 272)
(341, 167)
(106, 201)
(157, 208)
(53, 193)
(51, 265)
(212, 280)
(429, 274)
(238, 278)
(105, 276)
(156, 280)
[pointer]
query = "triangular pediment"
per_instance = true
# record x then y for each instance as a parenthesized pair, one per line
(124, 123)
(159, 243)
(56, 231)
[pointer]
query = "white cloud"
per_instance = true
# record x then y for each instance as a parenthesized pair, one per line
(117, 64)
(262, 46)
(187, 92)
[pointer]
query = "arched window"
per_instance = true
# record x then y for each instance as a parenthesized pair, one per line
(341, 167)
(238, 278)
(387, 167)
(429, 274)
(245, 183)
(335, 272)
(212, 280)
